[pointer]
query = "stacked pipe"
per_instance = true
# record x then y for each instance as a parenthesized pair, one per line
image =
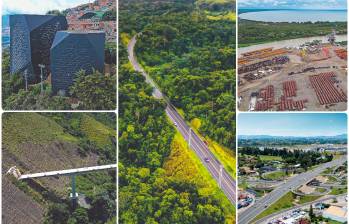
(341, 53)
(261, 64)
(325, 89)
(290, 104)
(289, 88)
(267, 95)
(257, 52)
(326, 52)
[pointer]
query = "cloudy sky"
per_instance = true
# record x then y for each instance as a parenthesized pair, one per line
(37, 6)
(293, 4)
(292, 124)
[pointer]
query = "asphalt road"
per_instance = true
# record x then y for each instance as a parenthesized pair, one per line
(224, 180)
(291, 184)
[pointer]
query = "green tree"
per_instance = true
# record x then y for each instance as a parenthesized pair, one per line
(57, 214)
(102, 207)
(311, 213)
(55, 12)
(79, 216)
(96, 91)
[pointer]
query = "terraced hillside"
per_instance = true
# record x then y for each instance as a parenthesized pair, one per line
(36, 142)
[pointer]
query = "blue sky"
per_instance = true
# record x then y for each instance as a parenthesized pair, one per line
(292, 124)
(37, 6)
(293, 4)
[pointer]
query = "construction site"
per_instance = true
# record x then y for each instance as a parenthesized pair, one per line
(312, 76)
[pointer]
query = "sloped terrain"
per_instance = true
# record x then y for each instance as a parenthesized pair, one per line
(17, 207)
(36, 142)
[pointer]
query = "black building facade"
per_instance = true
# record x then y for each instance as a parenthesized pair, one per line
(72, 52)
(31, 37)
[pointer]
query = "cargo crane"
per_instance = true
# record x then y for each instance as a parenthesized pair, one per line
(69, 172)
(332, 37)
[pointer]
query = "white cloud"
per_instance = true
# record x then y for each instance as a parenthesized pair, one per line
(38, 6)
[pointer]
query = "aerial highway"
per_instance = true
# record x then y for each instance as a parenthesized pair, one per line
(215, 168)
(68, 172)
(291, 184)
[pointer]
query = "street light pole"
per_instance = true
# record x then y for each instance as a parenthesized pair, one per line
(26, 79)
(41, 77)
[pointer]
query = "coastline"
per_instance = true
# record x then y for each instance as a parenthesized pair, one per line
(288, 43)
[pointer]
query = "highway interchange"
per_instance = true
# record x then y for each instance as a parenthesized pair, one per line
(215, 168)
(291, 184)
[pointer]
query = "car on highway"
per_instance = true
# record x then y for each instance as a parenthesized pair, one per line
(207, 160)
(175, 124)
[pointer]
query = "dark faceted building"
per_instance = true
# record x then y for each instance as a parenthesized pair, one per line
(73, 51)
(31, 37)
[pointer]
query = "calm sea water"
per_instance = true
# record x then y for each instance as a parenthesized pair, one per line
(5, 41)
(296, 16)
(5, 38)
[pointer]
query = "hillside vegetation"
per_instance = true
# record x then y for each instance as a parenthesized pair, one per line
(192, 58)
(160, 179)
(37, 142)
(255, 32)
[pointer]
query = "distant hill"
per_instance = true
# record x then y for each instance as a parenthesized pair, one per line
(342, 136)
(244, 10)
(262, 140)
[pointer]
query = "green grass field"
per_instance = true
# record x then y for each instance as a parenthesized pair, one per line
(330, 221)
(308, 198)
(96, 131)
(321, 190)
(331, 179)
(20, 128)
(337, 191)
(270, 158)
(282, 203)
(277, 175)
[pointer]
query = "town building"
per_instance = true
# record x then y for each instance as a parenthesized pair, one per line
(336, 213)
(90, 17)
(73, 51)
(30, 43)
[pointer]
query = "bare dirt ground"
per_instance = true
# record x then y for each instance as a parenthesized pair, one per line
(288, 43)
(17, 207)
(304, 88)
